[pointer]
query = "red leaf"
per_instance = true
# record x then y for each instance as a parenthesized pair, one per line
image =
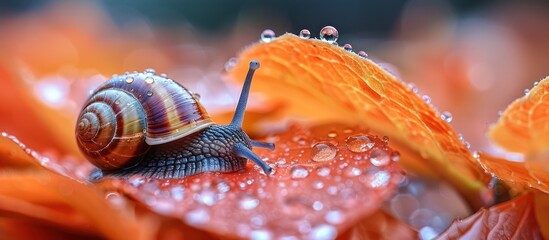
(312, 194)
(514, 219)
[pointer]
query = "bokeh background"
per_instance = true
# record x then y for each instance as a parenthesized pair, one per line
(471, 58)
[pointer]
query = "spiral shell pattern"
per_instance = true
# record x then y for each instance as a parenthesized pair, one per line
(128, 113)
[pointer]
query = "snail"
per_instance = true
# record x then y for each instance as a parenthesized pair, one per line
(146, 124)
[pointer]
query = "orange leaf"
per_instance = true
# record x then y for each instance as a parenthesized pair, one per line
(315, 192)
(39, 126)
(522, 174)
(320, 81)
(514, 219)
(65, 203)
(524, 125)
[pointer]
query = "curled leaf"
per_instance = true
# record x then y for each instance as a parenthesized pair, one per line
(524, 125)
(320, 81)
(514, 219)
(524, 175)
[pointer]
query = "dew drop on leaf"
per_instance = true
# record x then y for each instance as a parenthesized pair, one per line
(248, 202)
(362, 54)
(329, 34)
(305, 34)
(446, 116)
(267, 35)
(379, 157)
(299, 172)
(323, 151)
(348, 47)
(359, 143)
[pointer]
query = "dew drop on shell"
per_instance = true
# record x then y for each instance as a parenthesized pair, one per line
(305, 34)
(149, 80)
(129, 80)
(267, 35)
(329, 34)
(150, 71)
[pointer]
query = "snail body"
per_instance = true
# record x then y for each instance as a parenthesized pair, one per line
(142, 123)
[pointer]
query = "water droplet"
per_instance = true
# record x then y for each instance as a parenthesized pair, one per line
(359, 143)
(385, 139)
(426, 99)
(206, 196)
(526, 91)
(149, 93)
(150, 71)
(115, 199)
(334, 217)
(129, 80)
(177, 193)
(4, 134)
(362, 54)
(323, 171)
(379, 157)
(353, 171)
(299, 172)
(261, 235)
(348, 47)
(332, 134)
(196, 96)
(248, 202)
(117, 102)
(446, 116)
(395, 156)
(318, 205)
(305, 34)
(329, 34)
(267, 35)
(230, 64)
(324, 151)
(197, 216)
(323, 231)
(164, 75)
(136, 180)
(535, 83)
(379, 179)
(149, 80)
(318, 184)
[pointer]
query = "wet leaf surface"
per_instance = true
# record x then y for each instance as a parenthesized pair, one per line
(320, 81)
(314, 192)
(524, 125)
(514, 219)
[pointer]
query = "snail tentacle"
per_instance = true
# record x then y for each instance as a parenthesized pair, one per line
(260, 144)
(244, 152)
(238, 117)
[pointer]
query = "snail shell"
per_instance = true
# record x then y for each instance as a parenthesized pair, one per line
(145, 124)
(129, 113)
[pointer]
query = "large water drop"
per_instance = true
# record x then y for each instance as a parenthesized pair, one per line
(322, 152)
(329, 34)
(267, 35)
(359, 143)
